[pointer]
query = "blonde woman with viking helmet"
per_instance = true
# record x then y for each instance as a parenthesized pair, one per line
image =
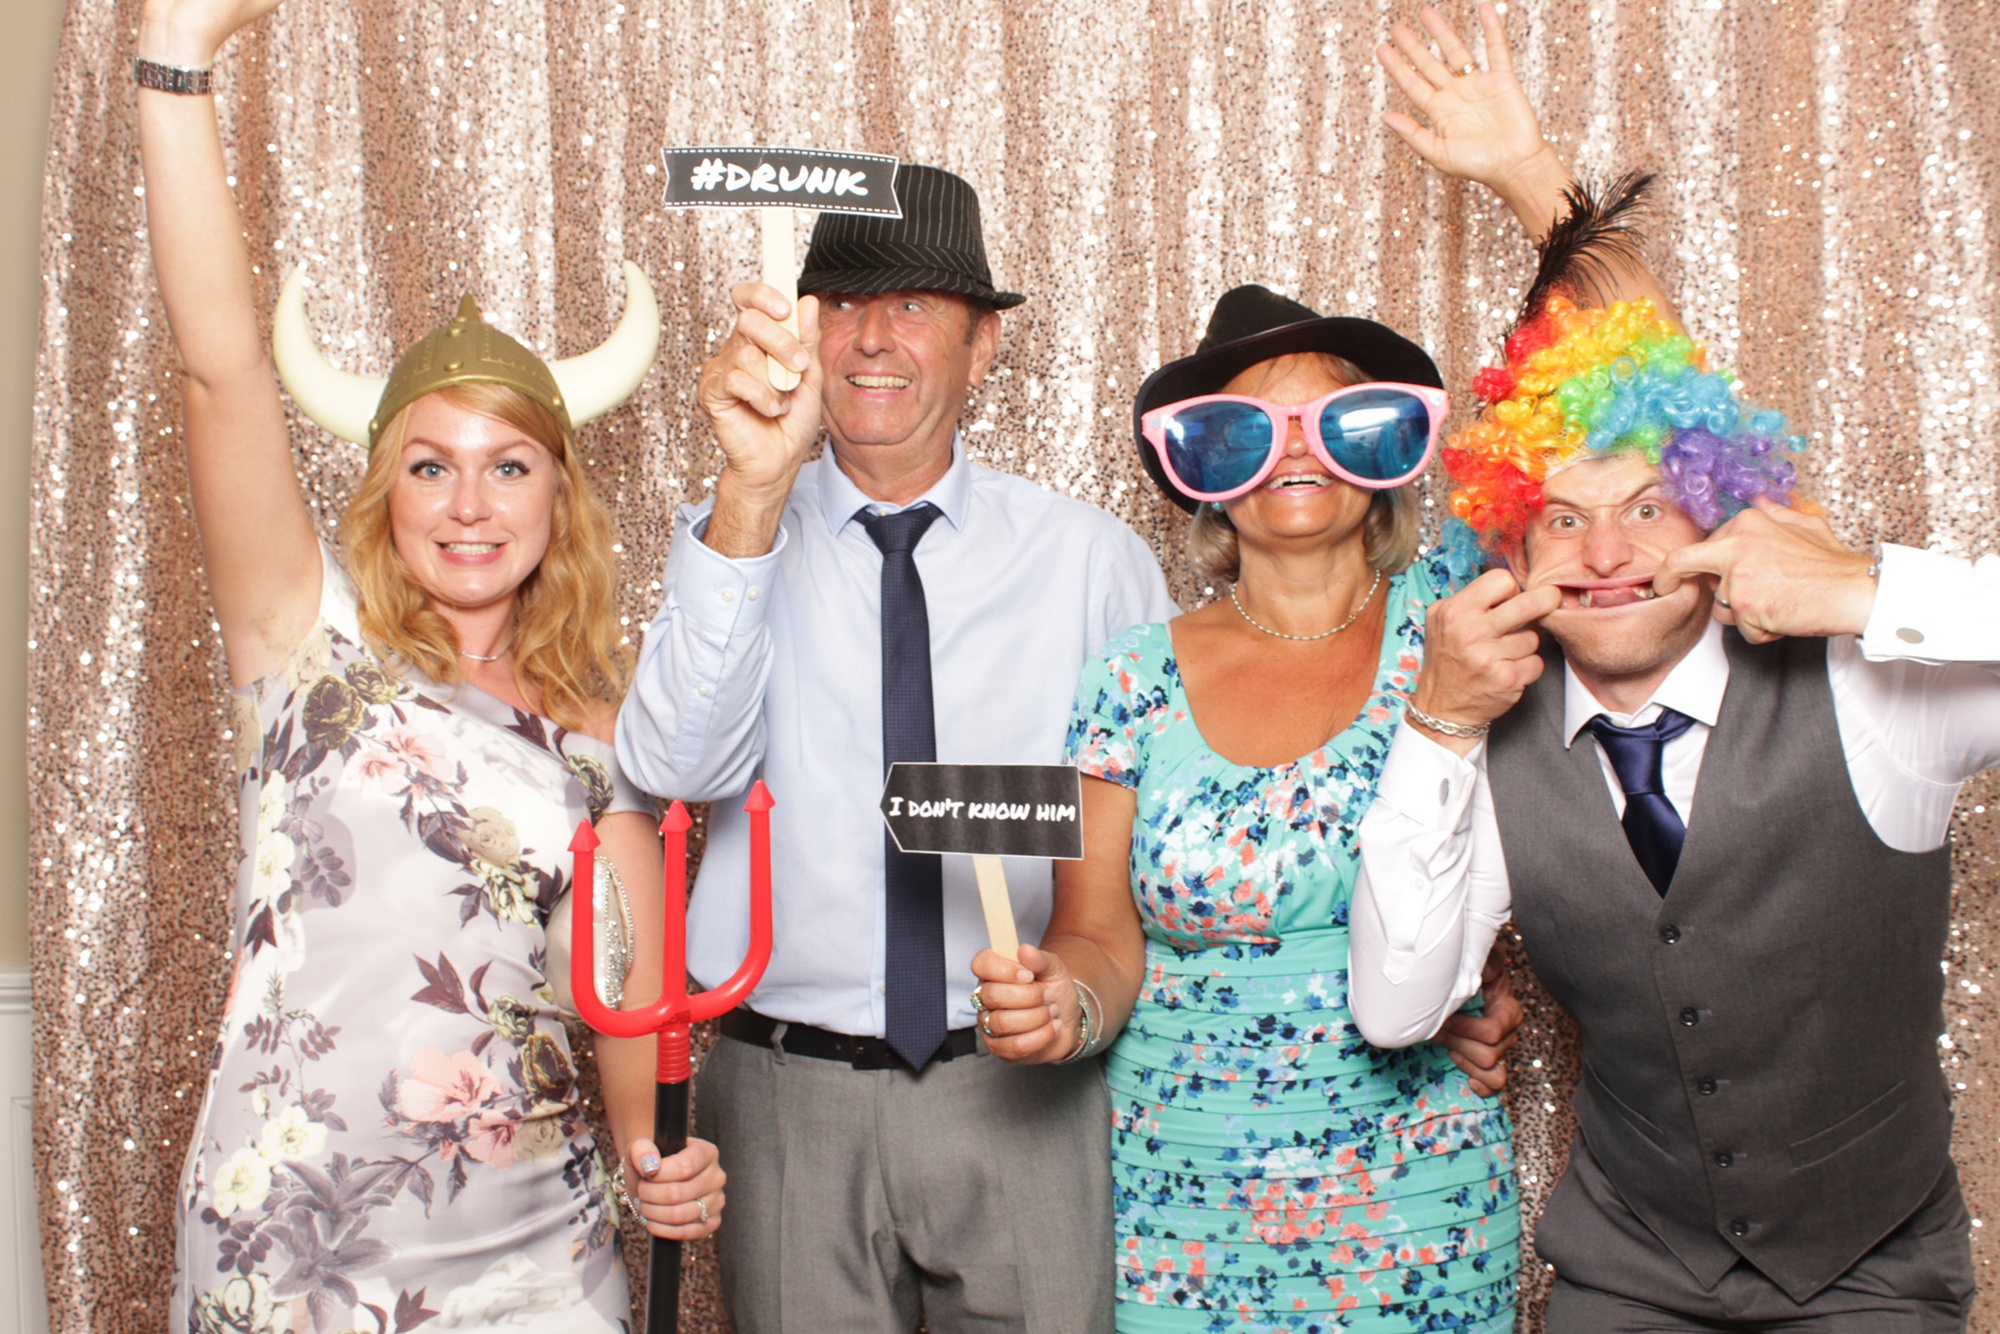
(394, 1128)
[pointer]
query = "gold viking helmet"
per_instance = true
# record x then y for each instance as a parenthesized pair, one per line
(466, 351)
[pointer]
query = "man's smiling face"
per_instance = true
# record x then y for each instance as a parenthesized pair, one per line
(900, 364)
(1603, 530)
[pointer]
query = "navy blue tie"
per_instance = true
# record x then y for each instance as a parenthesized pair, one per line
(1652, 826)
(914, 965)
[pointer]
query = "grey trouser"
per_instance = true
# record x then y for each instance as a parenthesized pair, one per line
(976, 1196)
(1614, 1276)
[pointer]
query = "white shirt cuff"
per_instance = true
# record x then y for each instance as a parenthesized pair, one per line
(724, 595)
(1930, 607)
(1426, 783)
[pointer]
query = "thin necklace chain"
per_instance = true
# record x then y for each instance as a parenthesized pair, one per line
(495, 657)
(1307, 639)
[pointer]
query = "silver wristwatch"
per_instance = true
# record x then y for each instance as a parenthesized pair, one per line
(172, 78)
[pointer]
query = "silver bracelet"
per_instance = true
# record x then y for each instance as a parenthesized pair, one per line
(625, 1196)
(172, 78)
(1089, 1022)
(1464, 731)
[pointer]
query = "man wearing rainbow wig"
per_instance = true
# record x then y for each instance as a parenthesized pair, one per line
(1713, 794)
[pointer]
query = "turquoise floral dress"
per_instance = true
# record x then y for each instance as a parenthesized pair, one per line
(1271, 1170)
(393, 1138)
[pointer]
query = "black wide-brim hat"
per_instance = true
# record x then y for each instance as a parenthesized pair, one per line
(936, 246)
(1252, 324)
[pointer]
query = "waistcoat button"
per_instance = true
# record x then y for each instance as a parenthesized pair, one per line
(1706, 1087)
(1725, 1158)
(1670, 934)
(1690, 1017)
(1738, 1227)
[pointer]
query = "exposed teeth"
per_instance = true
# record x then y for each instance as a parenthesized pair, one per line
(1298, 479)
(879, 381)
(1583, 598)
(1648, 593)
(471, 548)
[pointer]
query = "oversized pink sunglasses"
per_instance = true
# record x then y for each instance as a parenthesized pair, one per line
(1220, 446)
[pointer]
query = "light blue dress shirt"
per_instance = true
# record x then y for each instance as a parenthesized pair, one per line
(771, 668)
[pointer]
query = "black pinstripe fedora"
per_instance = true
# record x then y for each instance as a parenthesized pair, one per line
(936, 246)
(1251, 324)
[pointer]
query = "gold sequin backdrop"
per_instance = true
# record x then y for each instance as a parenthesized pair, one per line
(1826, 223)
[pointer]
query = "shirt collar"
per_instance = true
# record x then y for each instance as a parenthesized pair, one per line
(1694, 687)
(839, 497)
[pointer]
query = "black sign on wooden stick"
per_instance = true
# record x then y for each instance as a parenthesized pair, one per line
(775, 181)
(988, 811)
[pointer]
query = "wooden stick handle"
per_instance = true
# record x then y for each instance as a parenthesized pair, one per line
(999, 908)
(781, 270)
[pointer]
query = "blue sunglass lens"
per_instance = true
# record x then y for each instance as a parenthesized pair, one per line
(1377, 434)
(1217, 447)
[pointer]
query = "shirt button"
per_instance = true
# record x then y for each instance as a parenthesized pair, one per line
(1706, 1088)
(1909, 636)
(704, 690)
(727, 595)
(1725, 1158)
(750, 593)
(1670, 934)
(1690, 1017)
(1739, 1228)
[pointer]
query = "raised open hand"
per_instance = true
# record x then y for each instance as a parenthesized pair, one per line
(1480, 124)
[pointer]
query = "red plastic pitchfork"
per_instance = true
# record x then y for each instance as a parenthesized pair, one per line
(675, 1012)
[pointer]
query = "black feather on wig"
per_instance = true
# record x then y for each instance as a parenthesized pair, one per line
(1577, 253)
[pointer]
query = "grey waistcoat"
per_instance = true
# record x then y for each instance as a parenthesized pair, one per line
(1760, 1046)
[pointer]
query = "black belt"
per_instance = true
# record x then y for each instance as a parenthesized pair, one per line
(824, 1044)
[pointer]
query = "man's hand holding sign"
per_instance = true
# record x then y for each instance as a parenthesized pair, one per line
(762, 388)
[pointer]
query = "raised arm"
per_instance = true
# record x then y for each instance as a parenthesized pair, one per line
(693, 724)
(257, 538)
(1481, 127)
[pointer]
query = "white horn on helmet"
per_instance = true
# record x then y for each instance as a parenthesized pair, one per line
(599, 380)
(341, 402)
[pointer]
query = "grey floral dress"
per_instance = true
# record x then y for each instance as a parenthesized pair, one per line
(392, 1137)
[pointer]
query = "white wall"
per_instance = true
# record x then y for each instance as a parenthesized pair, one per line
(24, 103)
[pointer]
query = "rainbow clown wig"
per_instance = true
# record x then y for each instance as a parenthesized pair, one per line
(1584, 383)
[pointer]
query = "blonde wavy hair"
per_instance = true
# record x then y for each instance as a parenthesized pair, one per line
(568, 658)
(1389, 532)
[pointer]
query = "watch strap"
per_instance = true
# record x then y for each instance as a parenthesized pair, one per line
(172, 78)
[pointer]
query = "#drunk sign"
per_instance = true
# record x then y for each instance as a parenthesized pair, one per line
(775, 181)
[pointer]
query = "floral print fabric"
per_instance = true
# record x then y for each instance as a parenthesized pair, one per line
(393, 1137)
(1271, 1170)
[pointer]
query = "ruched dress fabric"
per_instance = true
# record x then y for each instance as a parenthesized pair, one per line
(1271, 1170)
(393, 1136)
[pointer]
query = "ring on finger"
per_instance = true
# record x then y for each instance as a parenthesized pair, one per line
(978, 1000)
(1468, 68)
(702, 1205)
(985, 1022)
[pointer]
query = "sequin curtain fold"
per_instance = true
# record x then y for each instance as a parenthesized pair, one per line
(1826, 225)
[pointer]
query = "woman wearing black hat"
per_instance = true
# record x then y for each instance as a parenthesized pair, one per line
(1271, 1169)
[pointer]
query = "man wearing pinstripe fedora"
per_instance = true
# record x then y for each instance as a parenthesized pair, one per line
(822, 619)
